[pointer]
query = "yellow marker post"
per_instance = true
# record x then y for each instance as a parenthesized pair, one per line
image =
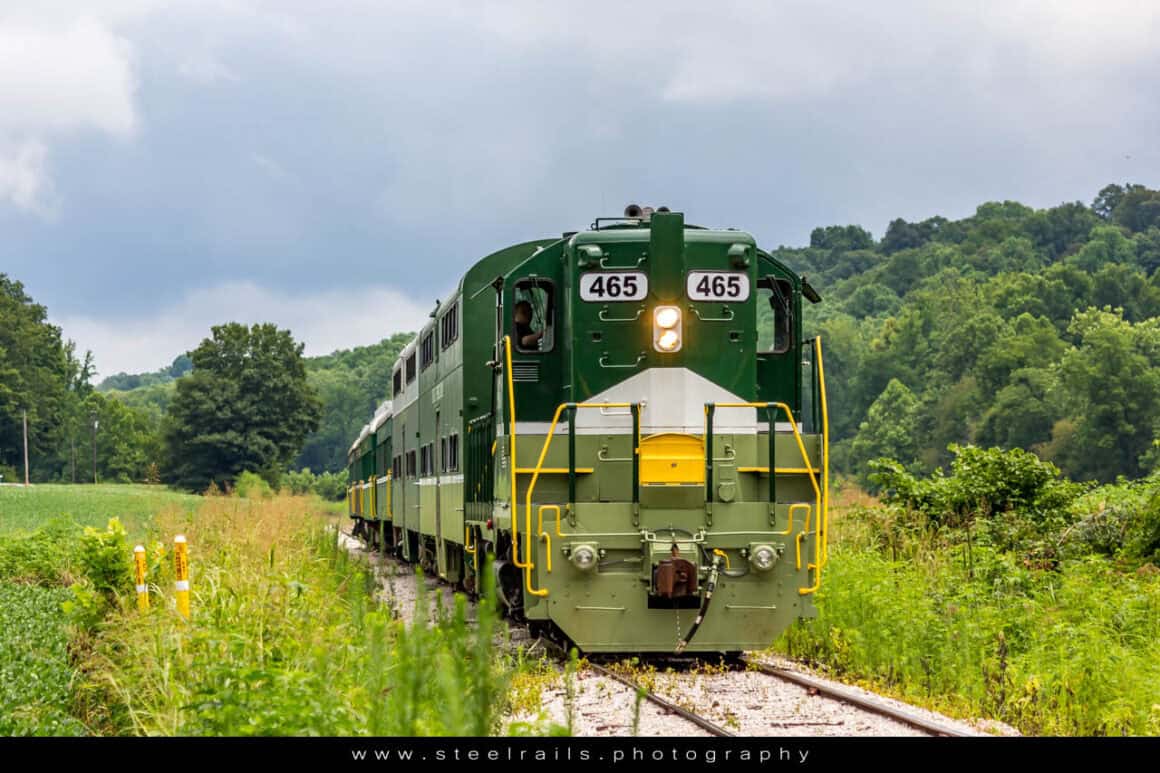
(181, 571)
(139, 571)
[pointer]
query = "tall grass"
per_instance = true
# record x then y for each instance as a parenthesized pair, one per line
(286, 638)
(978, 632)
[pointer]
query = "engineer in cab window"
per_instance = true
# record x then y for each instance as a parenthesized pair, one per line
(526, 336)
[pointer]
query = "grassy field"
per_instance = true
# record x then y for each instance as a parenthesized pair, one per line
(26, 509)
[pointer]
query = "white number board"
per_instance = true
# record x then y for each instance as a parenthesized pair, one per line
(717, 286)
(613, 286)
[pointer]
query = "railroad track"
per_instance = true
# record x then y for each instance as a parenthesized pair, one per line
(816, 687)
(652, 697)
(848, 696)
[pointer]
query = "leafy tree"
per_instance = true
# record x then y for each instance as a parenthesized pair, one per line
(40, 373)
(128, 440)
(1148, 250)
(1015, 253)
(246, 406)
(1021, 415)
(1106, 245)
(901, 235)
(1111, 385)
(1120, 284)
(1138, 209)
(181, 365)
(1107, 199)
(872, 301)
(1058, 230)
(1024, 342)
(889, 429)
(842, 238)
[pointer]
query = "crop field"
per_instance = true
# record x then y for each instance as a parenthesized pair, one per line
(35, 674)
(26, 509)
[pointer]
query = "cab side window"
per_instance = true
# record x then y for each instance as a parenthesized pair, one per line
(533, 312)
(774, 315)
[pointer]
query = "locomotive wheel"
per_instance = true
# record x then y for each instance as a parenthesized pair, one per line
(509, 588)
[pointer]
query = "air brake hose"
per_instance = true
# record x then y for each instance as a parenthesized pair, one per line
(712, 584)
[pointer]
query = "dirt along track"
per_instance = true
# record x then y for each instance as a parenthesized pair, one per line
(759, 696)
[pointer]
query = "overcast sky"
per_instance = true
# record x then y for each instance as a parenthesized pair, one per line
(165, 166)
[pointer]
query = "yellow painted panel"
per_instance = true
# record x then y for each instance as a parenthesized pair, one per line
(672, 458)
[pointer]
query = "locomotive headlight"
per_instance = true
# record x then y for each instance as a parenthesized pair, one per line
(667, 317)
(667, 328)
(584, 557)
(668, 340)
(762, 557)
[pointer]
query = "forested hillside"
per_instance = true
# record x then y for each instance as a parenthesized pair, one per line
(351, 383)
(1013, 327)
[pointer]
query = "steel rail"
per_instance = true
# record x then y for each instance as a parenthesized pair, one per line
(652, 697)
(849, 696)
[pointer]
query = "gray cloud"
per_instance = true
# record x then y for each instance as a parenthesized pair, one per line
(312, 148)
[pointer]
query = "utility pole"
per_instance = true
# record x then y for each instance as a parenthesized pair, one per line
(95, 423)
(25, 446)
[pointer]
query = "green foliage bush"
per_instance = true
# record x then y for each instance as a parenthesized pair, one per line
(1142, 537)
(43, 557)
(250, 485)
(106, 558)
(984, 482)
(329, 486)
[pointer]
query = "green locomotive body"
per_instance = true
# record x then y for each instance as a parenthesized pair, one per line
(600, 414)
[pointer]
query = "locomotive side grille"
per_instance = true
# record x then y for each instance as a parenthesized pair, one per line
(526, 371)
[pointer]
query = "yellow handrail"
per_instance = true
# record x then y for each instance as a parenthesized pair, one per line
(818, 497)
(789, 526)
(540, 512)
(528, 564)
(825, 454)
(467, 546)
(390, 508)
(798, 541)
(507, 345)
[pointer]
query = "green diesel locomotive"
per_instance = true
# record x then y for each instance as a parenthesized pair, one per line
(628, 423)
